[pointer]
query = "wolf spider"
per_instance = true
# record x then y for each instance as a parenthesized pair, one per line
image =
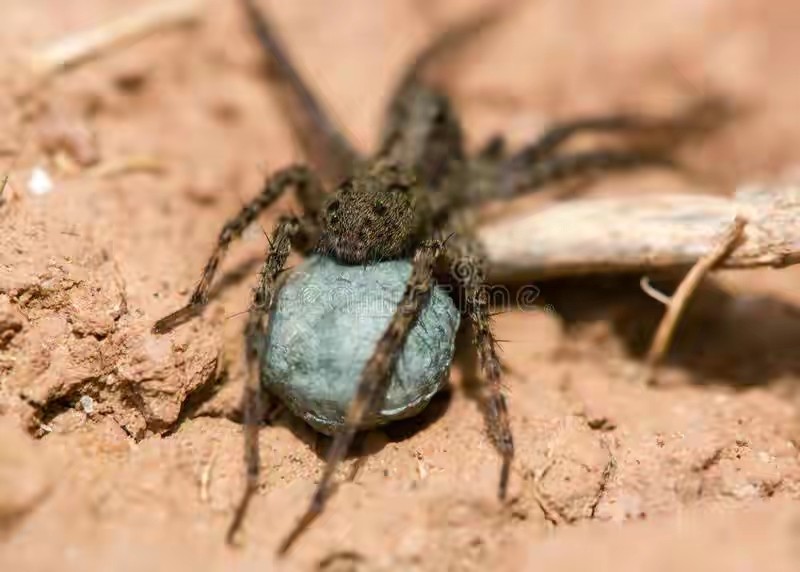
(411, 200)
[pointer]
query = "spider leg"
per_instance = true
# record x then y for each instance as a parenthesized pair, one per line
(560, 134)
(281, 240)
(323, 141)
(699, 118)
(446, 43)
(467, 263)
(309, 192)
(421, 129)
(561, 168)
(372, 386)
(647, 142)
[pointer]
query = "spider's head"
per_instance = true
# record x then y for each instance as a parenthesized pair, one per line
(372, 216)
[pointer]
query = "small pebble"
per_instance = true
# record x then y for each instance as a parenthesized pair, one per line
(87, 404)
(40, 182)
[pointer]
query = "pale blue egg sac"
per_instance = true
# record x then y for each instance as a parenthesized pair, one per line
(324, 326)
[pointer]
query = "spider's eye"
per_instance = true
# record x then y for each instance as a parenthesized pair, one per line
(380, 209)
(333, 206)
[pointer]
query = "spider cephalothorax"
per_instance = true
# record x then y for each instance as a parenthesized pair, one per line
(380, 213)
(408, 202)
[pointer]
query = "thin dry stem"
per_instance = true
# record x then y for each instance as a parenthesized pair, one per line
(683, 294)
(127, 165)
(75, 50)
(654, 292)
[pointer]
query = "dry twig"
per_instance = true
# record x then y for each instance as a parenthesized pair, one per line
(127, 165)
(660, 234)
(687, 287)
(77, 49)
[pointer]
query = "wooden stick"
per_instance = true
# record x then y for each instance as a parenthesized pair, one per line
(687, 287)
(655, 235)
(82, 47)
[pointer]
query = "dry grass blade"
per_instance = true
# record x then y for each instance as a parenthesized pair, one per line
(131, 164)
(91, 44)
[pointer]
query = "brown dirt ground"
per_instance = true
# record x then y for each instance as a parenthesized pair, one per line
(701, 473)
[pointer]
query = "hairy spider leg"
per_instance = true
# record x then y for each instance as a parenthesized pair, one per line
(372, 386)
(421, 129)
(644, 142)
(308, 189)
(560, 168)
(701, 117)
(281, 242)
(467, 264)
(450, 41)
(323, 141)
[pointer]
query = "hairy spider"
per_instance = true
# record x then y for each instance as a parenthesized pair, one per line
(411, 200)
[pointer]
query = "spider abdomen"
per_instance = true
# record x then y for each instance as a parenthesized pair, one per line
(325, 324)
